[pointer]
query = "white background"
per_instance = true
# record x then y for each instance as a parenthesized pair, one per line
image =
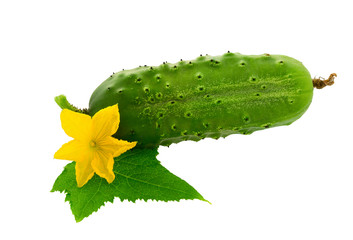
(291, 182)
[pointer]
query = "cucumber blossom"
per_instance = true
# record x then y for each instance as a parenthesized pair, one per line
(206, 97)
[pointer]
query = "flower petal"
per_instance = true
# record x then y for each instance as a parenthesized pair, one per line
(116, 147)
(76, 125)
(108, 144)
(124, 146)
(105, 122)
(102, 164)
(74, 150)
(84, 172)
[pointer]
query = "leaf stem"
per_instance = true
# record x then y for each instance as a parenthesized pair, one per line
(63, 103)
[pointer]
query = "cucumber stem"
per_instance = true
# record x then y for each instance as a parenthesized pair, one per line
(320, 82)
(63, 103)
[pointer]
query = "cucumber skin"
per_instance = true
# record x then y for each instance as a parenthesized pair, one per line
(206, 97)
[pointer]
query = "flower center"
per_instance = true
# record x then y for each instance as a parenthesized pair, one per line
(92, 143)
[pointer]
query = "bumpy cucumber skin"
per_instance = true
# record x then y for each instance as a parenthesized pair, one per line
(206, 97)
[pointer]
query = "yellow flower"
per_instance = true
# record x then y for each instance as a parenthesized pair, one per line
(93, 148)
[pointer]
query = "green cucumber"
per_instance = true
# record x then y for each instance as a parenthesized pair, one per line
(206, 97)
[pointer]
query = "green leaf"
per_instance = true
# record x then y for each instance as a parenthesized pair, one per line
(138, 175)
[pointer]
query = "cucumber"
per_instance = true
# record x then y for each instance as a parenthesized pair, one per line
(209, 97)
